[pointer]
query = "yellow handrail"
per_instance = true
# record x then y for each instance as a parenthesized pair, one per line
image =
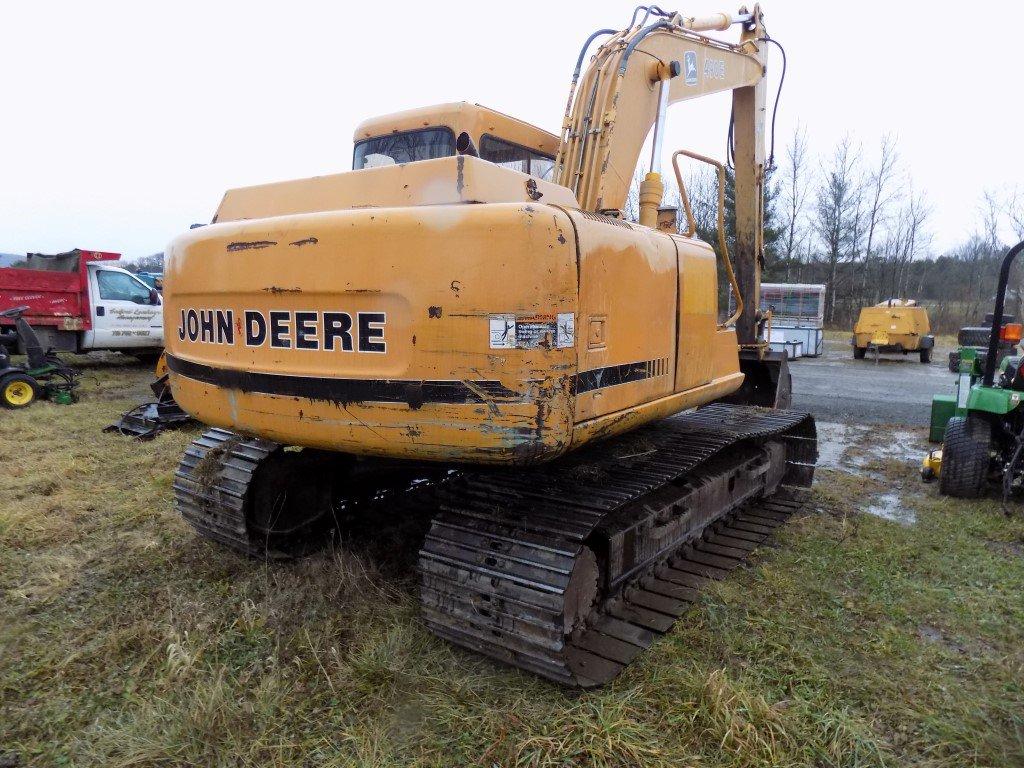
(692, 224)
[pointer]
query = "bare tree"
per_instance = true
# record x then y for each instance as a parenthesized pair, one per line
(796, 184)
(838, 215)
(991, 209)
(907, 240)
(1015, 213)
(880, 194)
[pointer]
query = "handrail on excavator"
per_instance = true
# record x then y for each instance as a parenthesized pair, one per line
(691, 223)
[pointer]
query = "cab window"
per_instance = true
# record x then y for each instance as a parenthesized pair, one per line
(117, 286)
(406, 147)
(518, 158)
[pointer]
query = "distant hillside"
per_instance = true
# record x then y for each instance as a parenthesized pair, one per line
(6, 259)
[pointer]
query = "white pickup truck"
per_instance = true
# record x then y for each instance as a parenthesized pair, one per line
(82, 301)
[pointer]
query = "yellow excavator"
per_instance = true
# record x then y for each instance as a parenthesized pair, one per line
(470, 307)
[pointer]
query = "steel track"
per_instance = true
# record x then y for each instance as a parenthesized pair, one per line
(498, 562)
(497, 566)
(212, 487)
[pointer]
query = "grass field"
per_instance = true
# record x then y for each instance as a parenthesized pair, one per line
(125, 640)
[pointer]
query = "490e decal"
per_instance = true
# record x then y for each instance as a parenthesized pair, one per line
(286, 329)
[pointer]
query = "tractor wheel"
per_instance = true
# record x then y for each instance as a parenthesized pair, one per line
(18, 390)
(926, 355)
(966, 455)
(859, 352)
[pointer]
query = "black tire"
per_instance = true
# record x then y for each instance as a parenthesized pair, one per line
(926, 355)
(18, 390)
(954, 362)
(966, 455)
(973, 336)
(859, 352)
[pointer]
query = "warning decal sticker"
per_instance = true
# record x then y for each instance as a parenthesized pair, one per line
(533, 331)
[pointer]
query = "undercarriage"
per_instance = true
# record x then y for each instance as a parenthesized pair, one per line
(568, 570)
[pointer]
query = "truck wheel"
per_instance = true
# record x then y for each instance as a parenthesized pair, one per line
(18, 390)
(859, 352)
(966, 454)
(926, 355)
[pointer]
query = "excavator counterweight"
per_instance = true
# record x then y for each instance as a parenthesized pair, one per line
(470, 304)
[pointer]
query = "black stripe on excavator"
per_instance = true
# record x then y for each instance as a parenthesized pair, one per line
(612, 375)
(412, 392)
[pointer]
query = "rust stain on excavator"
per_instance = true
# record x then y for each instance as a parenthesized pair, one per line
(249, 245)
(435, 311)
(306, 241)
(279, 289)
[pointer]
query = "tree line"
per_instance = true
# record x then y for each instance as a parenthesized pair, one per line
(855, 221)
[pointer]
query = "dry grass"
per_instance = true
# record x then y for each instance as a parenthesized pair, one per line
(127, 641)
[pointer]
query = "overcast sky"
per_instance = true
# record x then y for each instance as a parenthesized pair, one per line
(123, 123)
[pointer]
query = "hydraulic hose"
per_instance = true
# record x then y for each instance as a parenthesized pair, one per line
(637, 39)
(997, 315)
(583, 53)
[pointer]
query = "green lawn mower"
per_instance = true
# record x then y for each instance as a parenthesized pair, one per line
(44, 376)
(982, 426)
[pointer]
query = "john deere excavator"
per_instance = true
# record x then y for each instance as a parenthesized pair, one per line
(469, 304)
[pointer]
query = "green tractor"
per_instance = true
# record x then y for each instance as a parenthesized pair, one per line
(44, 375)
(982, 426)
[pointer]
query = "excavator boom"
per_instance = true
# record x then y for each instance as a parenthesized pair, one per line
(632, 79)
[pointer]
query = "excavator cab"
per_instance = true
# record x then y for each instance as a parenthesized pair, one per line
(435, 132)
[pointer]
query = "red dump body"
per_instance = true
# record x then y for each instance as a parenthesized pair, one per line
(55, 288)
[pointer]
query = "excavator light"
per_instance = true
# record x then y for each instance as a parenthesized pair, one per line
(1011, 332)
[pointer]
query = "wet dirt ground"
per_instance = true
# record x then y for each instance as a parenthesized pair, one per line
(897, 389)
(872, 420)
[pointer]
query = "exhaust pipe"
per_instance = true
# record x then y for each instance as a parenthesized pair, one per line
(464, 145)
